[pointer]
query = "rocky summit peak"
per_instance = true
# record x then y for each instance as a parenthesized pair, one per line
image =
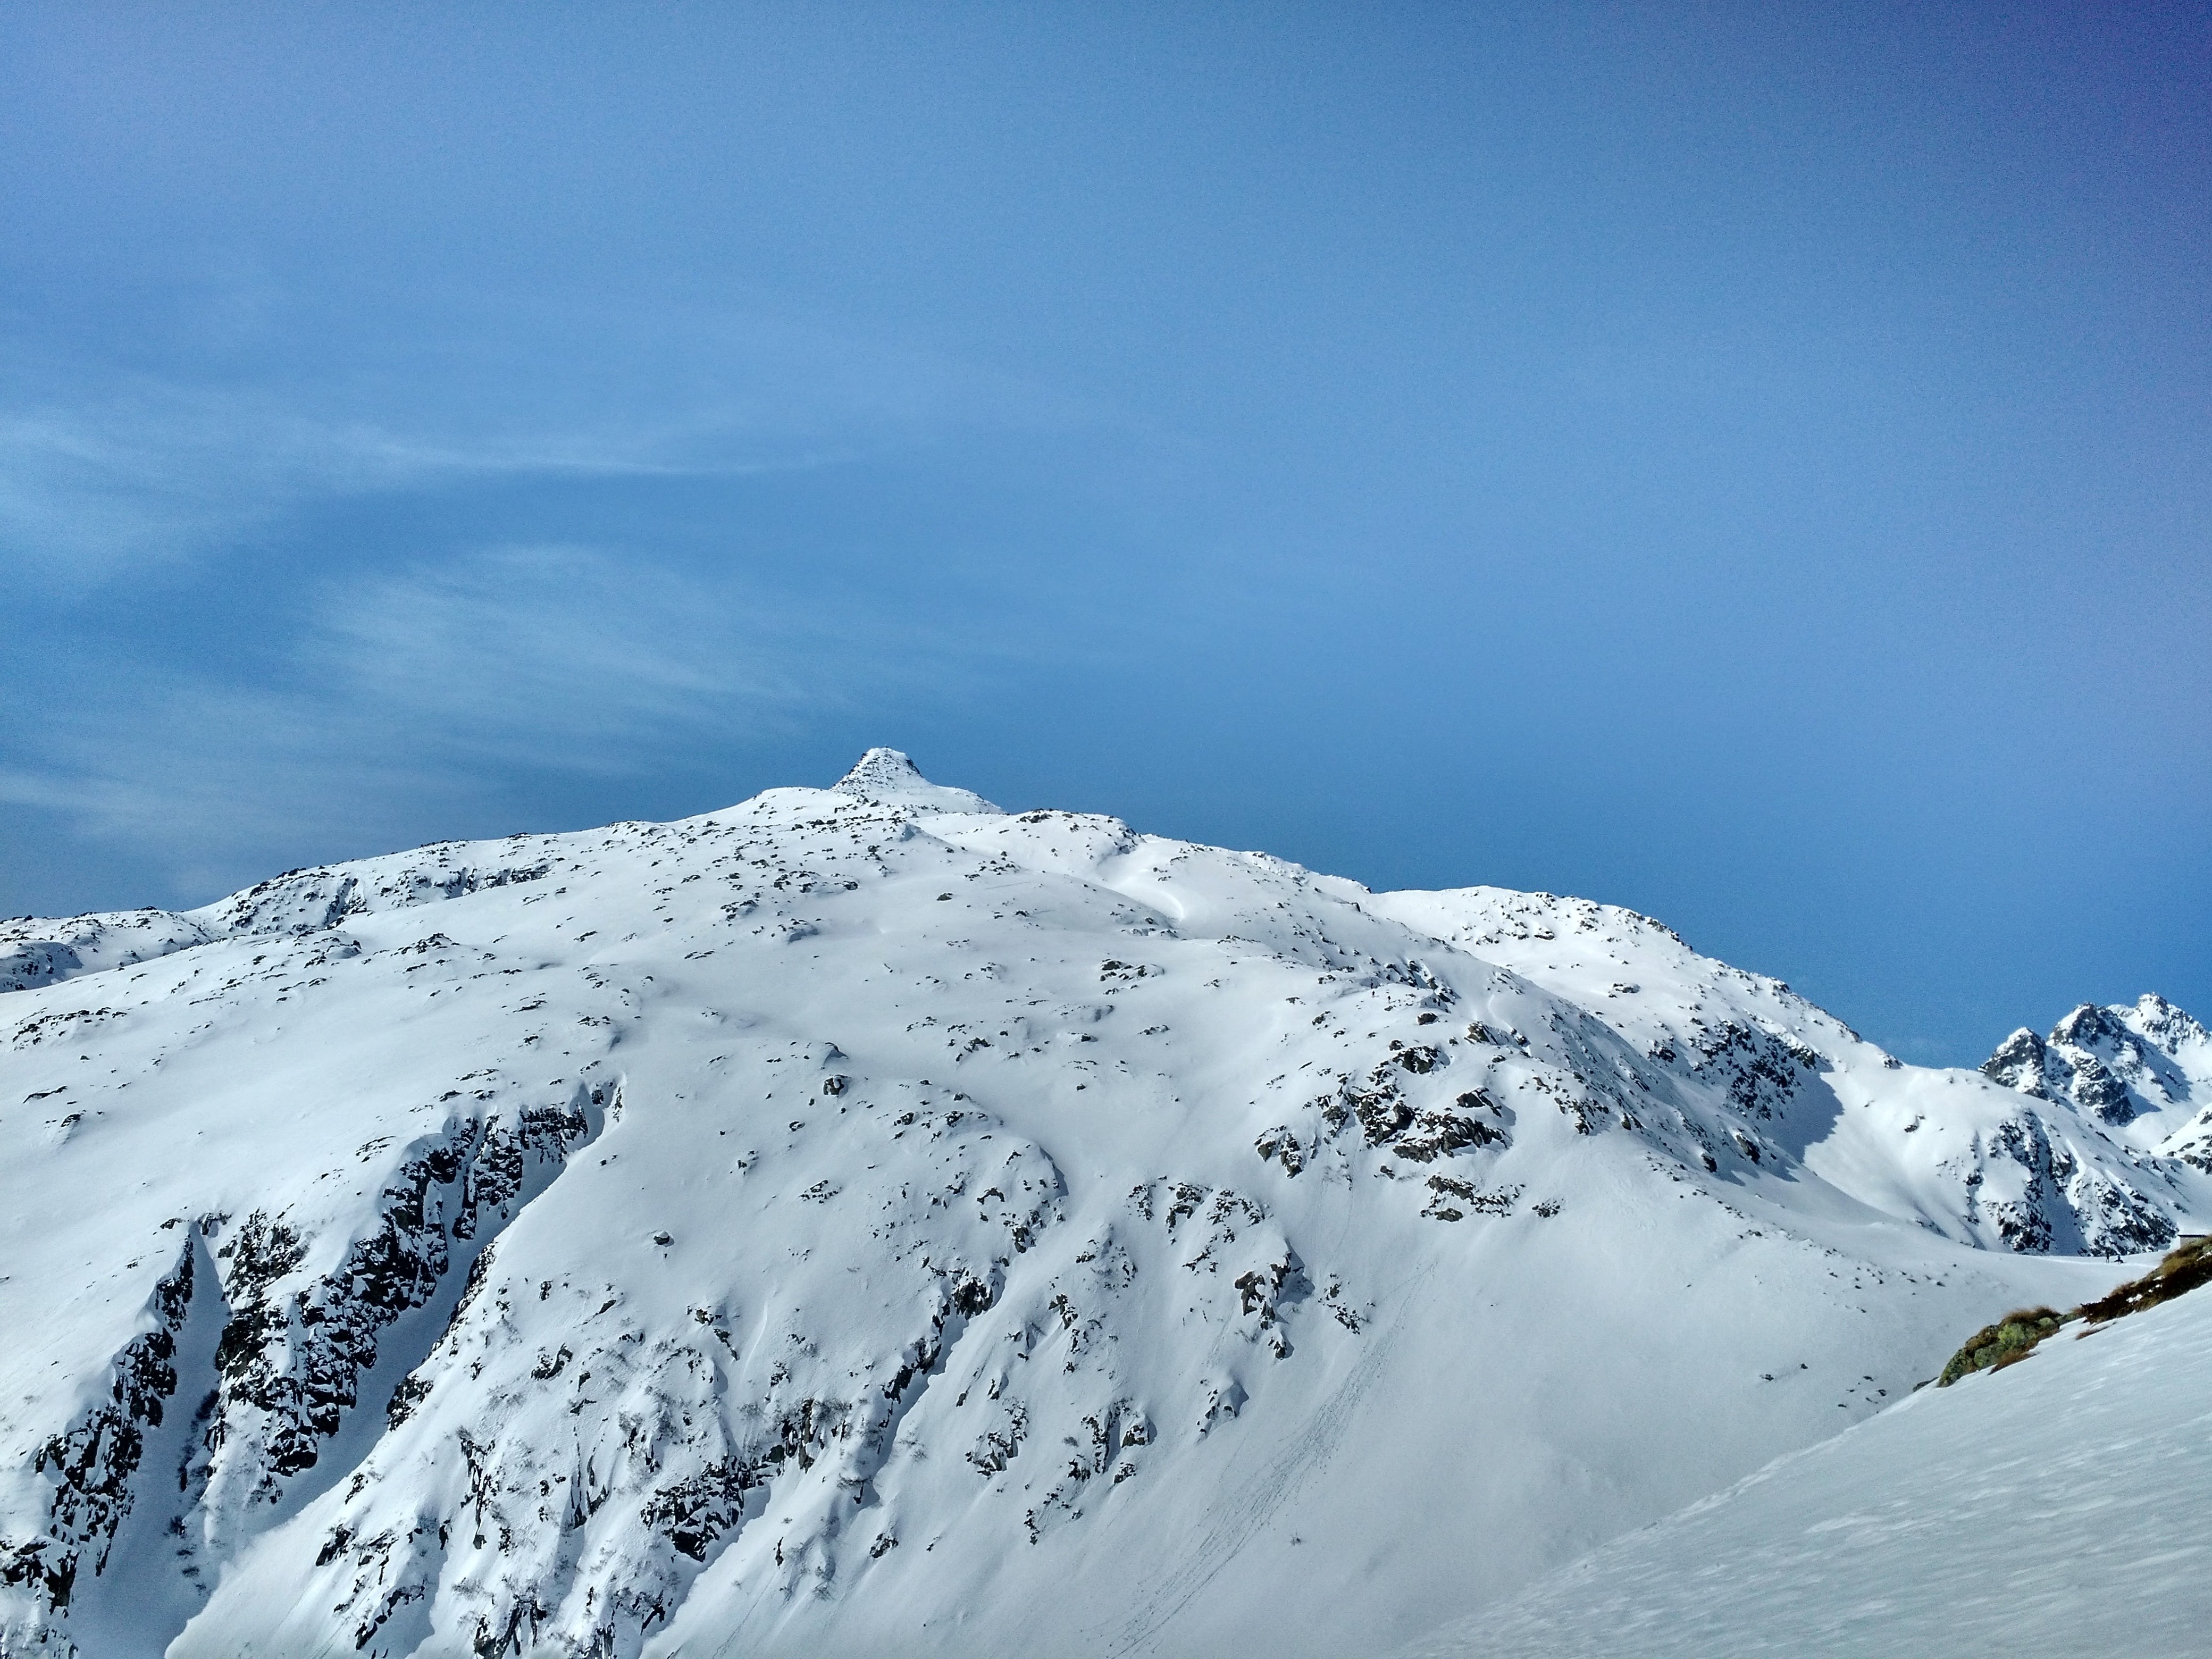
(2087, 1023)
(2170, 1027)
(2148, 1066)
(878, 769)
(890, 775)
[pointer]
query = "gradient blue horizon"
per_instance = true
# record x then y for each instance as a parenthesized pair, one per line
(1748, 464)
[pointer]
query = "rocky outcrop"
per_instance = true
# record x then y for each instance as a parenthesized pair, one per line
(2116, 1065)
(296, 1346)
(92, 1465)
(2015, 1336)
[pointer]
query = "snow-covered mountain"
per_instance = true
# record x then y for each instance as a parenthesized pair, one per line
(862, 1220)
(2143, 1074)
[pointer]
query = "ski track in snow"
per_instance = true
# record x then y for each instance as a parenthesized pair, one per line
(864, 1221)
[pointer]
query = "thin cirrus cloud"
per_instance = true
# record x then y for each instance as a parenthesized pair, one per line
(206, 779)
(437, 685)
(104, 468)
(579, 657)
(325, 661)
(153, 469)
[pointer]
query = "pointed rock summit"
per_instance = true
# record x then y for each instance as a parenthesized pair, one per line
(890, 777)
(2144, 1073)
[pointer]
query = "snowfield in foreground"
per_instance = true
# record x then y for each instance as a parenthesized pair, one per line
(862, 1221)
(2055, 1507)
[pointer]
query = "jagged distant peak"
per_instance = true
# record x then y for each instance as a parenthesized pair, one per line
(2150, 1019)
(2023, 1061)
(891, 775)
(2089, 1021)
(2164, 1023)
(2144, 1067)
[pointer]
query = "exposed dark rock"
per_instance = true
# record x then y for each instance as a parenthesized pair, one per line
(93, 1460)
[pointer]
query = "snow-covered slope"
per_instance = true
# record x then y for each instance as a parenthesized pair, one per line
(37, 952)
(864, 1221)
(2055, 1507)
(2041, 1170)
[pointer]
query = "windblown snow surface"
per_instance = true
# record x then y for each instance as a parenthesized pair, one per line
(863, 1222)
(2054, 1508)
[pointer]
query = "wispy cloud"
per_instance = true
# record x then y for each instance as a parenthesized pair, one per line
(103, 468)
(206, 782)
(420, 695)
(596, 659)
(377, 694)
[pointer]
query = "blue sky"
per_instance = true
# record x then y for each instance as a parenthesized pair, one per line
(1751, 464)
